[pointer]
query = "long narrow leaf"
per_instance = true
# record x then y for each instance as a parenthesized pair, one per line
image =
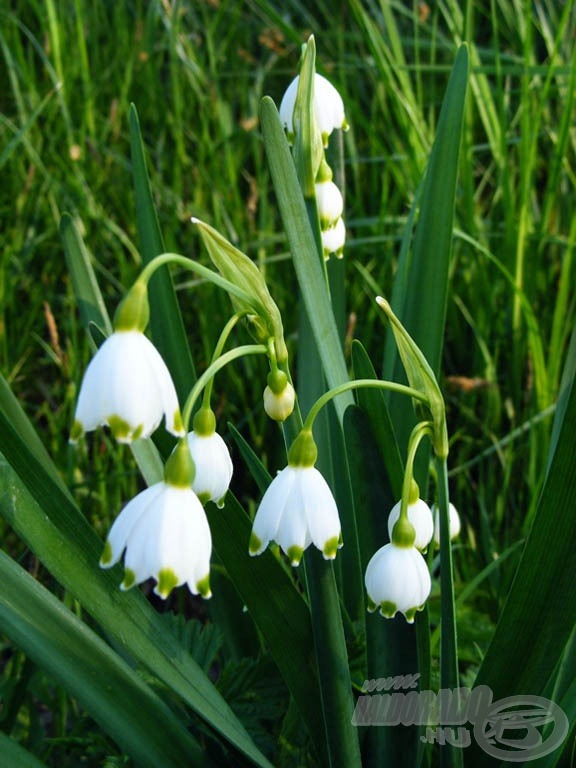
(136, 718)
(42, 513)
(543, 596)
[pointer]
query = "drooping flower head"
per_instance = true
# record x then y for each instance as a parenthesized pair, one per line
(298, 508)
(164, 532)
(328, 106)
(279, 396)
(397, 580)
(334, 239)
(211, 458)
(454, 522)
(127, 385)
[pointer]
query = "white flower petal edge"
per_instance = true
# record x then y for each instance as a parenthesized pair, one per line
(166, 536)
(397, 579)
(420, 516)
(127, 387)
(213, 464)
(297, 509)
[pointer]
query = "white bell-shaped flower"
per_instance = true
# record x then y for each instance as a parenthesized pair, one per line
(166, 537)
(127, 387)
(397, 580)
(334, 239)
(279, 406)
(213, 467)
(328, 106)
(454, 522)
(329, 202)
(279, 396)
(297, 509)
(420, 515)
(211, 458)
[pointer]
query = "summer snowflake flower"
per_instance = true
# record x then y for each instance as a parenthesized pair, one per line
(297, 509)
(213, 467)
(330, 203)
(334, 239)
(420, 516)
(397, 579)
(279, 405)
(454, 522)
(128, 387)
(166, 536)
(328, 106)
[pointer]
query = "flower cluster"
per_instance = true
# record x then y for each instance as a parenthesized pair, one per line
(329, 114)
(163, 531)
(397, 577)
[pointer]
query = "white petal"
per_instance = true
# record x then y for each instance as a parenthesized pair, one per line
(293, 527)
(93, 405)
(165, 388)
(328, 105)
(213, 465)
(128, 380)
(320, 507)
(330, 203)
(334, 239)
(398, 575)
(454, 522)
(124, 524)
(272, 507)
(420, 516)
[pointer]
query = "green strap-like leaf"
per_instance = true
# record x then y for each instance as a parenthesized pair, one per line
(542, 600)
(90, 302)
(135, 717)
(166, 325)
(41, 511)
(13, 754)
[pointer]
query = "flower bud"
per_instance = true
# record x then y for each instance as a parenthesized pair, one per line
(454, 519)
(279, 396)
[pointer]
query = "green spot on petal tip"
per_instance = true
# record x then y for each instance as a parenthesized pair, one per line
(331, 548)
(129, 579)
(167, 580)
(255, 545)
(295, 555)
(203, 587)
(388, 609)
(106, 557)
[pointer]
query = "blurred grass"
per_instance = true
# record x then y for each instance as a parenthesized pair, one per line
(197, 72)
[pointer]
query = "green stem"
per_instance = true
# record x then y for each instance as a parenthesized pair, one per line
(418, 433)
(357, 384)
(450, 756)
(212, 370)
(199, 269)
(226, 331)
